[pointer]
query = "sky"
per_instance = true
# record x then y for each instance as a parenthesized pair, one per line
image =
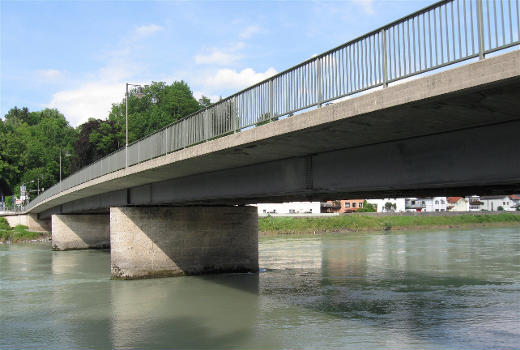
(76, 56)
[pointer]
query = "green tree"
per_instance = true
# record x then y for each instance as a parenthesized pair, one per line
(367, 208)
(204, 102)
(161, 105)
(30, 147)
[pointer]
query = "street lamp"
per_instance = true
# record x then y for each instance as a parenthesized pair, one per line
(67, 154)
(139, 94)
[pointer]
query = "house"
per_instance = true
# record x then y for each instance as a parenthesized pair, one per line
(515, 199)
(436, 204)
(415, 204)
(342, 206)
(457, 204)
(388, 204)
(427, 204)
(289, 208)
(496, 203)
(474, 203)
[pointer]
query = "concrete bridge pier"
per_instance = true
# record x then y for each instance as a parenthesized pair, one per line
(32, 222)
(90, 231)
(148, 242)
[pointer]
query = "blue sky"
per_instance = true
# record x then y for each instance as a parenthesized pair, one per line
(77, 55)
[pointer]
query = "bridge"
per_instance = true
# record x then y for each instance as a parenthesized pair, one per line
(366, 119)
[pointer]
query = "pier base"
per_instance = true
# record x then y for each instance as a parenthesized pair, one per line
(148, 242)
(80, 232)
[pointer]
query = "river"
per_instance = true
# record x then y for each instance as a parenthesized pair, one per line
(456, 289)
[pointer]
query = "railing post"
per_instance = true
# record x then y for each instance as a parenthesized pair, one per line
(385, 59)
(271, 101)
(480, 26)
(318, 72)
(166, 140)
(233, 119)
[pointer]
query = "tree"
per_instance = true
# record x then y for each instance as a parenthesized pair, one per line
(367, 208)
(389, 206)
(204, 102)
(95, 139)
(30, 144)
(161, 105)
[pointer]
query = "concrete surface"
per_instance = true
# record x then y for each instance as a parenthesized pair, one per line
(31, 221)
(80, 232)
(151, 242)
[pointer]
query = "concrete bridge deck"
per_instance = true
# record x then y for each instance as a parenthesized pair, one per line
(451, 132)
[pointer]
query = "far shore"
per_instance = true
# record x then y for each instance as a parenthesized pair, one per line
(305, 225)
(361, 222)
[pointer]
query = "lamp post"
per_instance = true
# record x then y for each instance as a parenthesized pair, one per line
(138, 94)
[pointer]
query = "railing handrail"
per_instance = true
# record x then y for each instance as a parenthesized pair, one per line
(311, 83)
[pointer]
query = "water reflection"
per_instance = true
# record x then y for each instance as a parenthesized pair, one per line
(430, 287)
(194, 312)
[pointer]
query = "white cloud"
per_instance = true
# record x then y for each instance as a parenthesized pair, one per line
(367, 6)
(148, 29)
(92, 95)
(213, 98)
(221, 56)
(92, 100)
(217, 57)
(249, 31)
(50, 74)
(231, 79)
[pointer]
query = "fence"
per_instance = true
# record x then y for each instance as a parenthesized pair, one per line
(442, 34)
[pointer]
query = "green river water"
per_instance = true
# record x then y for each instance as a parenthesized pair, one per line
(456, 289)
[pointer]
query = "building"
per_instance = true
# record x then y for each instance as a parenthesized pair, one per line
(474, 203)
(429, 204)
(495, 203)
(436, 204)
(395, 205)
(457, 204)
(415, 204)
(515, 198)
(342, 206)
(289, 208)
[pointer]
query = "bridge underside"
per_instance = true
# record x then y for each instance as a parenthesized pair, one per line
(464, 143)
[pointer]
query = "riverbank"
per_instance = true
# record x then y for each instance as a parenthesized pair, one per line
(19, 233)
(362, 222)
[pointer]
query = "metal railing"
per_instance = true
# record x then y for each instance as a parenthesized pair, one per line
(442, 34)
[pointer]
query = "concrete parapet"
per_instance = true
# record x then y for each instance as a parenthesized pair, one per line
(80, 232)
(149, 242)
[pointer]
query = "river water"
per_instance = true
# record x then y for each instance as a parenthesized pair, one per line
(457, 289)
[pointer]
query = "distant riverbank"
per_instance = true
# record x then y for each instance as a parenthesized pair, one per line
(363, 222)
(19, 233)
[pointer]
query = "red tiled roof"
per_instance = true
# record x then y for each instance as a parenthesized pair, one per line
(454, 199)
(515, 197)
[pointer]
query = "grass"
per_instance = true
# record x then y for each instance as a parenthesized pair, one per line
(16, 234)
(360, 222)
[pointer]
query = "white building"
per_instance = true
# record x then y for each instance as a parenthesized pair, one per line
(515, 198)
(428, 204)
(458, 204)
(494, 203)
(436, 204)
(397, 204)
(289, 208)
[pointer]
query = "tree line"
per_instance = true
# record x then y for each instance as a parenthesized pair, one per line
(31, 142)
